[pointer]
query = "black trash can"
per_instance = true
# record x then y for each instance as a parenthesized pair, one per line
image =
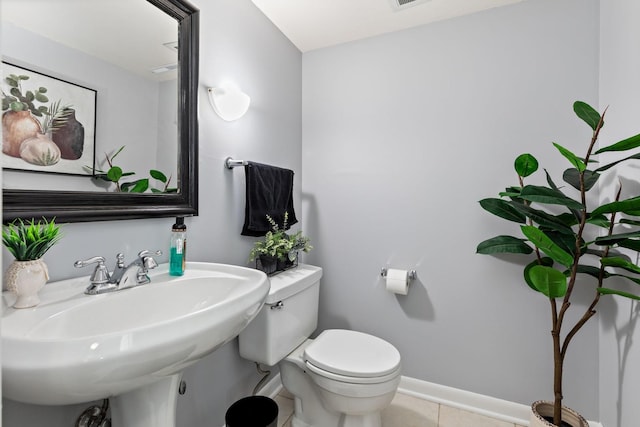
(252, 411)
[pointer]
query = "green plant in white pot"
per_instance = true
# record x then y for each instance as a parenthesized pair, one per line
(28, 242)
(570, 240)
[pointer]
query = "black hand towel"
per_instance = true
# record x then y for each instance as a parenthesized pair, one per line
(269, 192)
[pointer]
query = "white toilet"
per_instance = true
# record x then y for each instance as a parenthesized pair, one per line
(342, 378)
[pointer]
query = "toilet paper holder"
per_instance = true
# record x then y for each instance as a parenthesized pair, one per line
(412, 274)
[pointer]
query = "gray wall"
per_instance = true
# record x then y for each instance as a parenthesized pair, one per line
(237, 43)
(402, 135)
(619, 318)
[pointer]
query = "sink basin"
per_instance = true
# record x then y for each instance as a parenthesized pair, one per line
(75, 348)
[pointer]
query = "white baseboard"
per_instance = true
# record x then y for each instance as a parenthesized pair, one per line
(499, 409)
(272, 387)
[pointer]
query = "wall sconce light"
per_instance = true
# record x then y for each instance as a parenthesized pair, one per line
(228, 101)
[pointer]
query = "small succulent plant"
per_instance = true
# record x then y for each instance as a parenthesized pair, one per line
(30, 240)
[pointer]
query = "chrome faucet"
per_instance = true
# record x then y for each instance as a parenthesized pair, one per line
(122, 277)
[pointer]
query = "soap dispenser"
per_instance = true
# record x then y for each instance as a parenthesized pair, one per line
(178, 248)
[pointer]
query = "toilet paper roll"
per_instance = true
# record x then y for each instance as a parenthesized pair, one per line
(398, 281)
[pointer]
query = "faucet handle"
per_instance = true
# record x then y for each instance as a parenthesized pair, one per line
(148, 263)
(100, 274)
(147, 253)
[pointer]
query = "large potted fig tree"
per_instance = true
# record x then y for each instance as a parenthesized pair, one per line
(571, 240)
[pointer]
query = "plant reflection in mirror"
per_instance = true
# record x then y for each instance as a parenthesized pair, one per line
(115, 174)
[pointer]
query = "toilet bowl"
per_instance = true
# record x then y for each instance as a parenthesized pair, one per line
(341, 378)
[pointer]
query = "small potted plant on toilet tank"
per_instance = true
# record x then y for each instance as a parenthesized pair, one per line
(278, 250)
(572, 240)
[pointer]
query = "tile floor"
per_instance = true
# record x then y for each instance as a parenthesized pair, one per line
(409, 411)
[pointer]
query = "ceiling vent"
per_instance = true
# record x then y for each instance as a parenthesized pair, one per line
(404, 4)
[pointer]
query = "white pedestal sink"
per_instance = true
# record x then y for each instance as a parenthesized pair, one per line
(130, 346)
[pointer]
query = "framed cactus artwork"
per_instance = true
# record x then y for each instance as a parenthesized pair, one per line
(48, 124)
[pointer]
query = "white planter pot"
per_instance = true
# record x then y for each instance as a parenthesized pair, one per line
(541, 409)
(25, 279)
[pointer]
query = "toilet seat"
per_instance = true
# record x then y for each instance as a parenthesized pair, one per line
(351, 356)
(351, 380)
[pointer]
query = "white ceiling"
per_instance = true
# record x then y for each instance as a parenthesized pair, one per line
(314, 24)
(133, 40)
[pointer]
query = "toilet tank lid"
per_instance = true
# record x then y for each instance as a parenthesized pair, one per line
(292, 281)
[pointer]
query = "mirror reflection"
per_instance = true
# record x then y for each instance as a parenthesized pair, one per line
(89, 96)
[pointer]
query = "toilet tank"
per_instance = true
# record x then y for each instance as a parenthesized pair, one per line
(288, 317)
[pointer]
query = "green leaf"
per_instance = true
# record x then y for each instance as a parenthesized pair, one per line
(41, 98)
(634, 245)
(114, 174)
(542, 241)
(525, 165)
(621, 263)
(538, 194)
(11, 81)
(565, 241)
(544, 219)
(628, 206)
(610, 165)
(598, 220)
(568, 219)
(573, 159)
(624, 145)
(606, 291)
(611, 253)
(17, 106)
(572, 177)
(503, 244)
(550, 181)
(140, 186)
(591, 271)
(117, 152)
(548, 280)
(503, 209)
(616, 238)
(546, 261)
(158, 175)
(587, 113)
(630, 221)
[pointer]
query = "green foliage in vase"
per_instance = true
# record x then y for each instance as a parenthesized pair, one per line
(22, 100)
(46, 159)
(115, 174)
(278, 244)
(30, 240)
(570, 242)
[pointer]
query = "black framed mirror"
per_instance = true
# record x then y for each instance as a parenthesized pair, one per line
(81, 206)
